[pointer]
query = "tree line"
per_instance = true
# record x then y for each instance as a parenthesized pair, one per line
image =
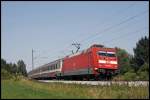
(11, 69)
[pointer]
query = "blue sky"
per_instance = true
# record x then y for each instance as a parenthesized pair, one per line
(51, 27)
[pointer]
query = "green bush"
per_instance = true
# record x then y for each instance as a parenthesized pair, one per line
(143, 72)
(130, 76)
(144, 75)
(118, 78)
(144, 67)
(5, 74)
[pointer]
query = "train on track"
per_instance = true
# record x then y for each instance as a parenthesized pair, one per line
(95, 63)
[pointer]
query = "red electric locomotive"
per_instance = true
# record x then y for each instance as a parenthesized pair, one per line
(96, 62)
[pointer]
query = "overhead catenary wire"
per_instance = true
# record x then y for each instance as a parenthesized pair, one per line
(109, 28)
(115, 13)
(125, 35)
(121, 28)
(118, 11)
(122, 22)
(113, 26)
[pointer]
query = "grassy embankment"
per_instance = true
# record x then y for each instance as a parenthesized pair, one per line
(31, 89)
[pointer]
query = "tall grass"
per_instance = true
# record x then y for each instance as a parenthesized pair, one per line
(32, 89)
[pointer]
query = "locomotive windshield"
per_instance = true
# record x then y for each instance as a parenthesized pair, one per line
(102, 53)
(108, 54)
(111, 55)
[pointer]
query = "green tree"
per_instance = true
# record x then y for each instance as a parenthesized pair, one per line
(10, 67)
(14, 69)
(141, 53)
(22, 67)
(123, 61)
(143, 72)
(6, 69)
(130, 76)
(5, 74)
(3, 64)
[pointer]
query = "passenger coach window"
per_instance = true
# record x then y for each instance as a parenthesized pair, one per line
(56, 66)
(52, 67)
(49, 67)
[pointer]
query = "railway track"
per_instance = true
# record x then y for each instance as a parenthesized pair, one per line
(108, 83)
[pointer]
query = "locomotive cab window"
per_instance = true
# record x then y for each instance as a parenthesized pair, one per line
(111, 54)
(102, 53)
(108, 54)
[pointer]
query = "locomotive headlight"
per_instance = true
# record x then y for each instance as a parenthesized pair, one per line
(95, 68)
(115, 66)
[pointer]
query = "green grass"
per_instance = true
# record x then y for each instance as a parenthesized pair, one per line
(36, 90)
